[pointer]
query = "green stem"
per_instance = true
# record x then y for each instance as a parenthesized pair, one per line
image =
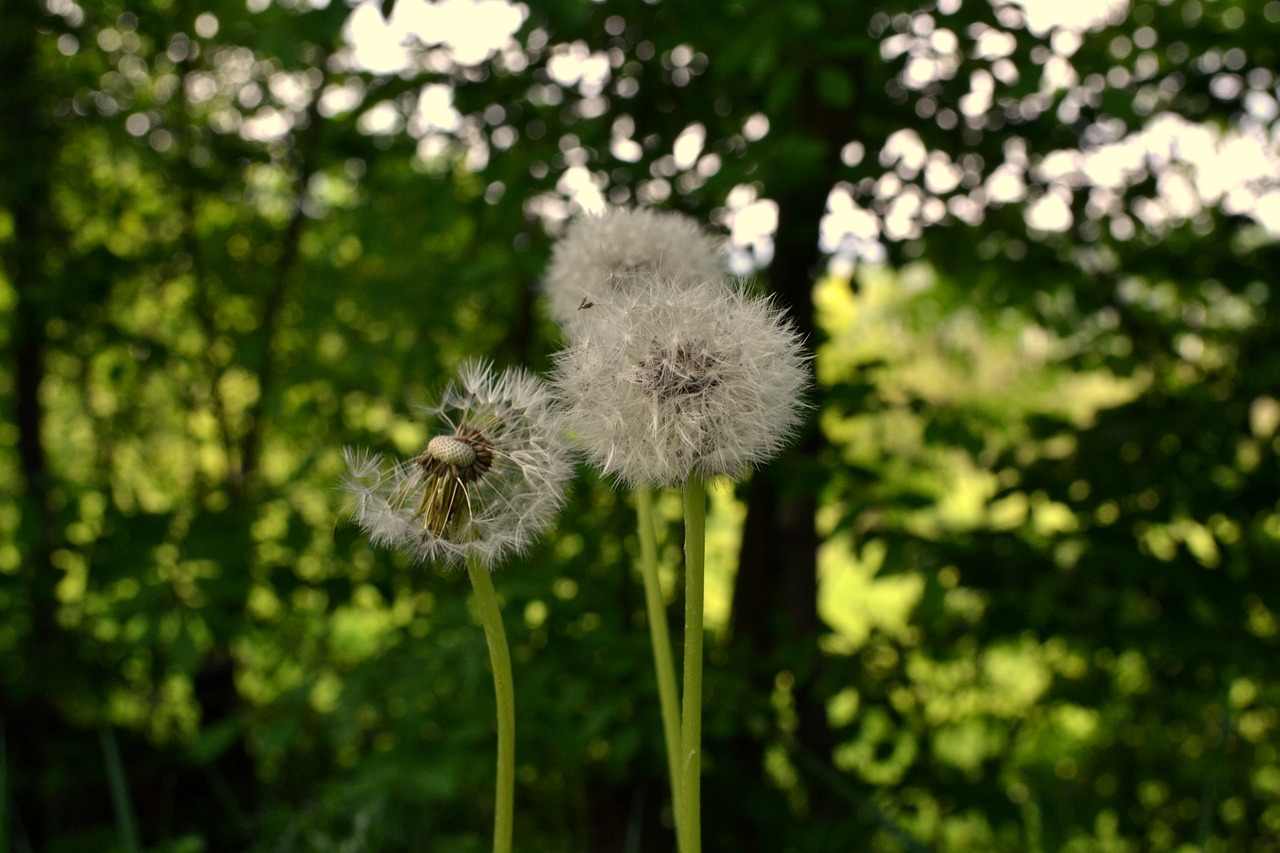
(504, 693)
(689, 824)
(4, 792)
(660, 636)
(119, 787)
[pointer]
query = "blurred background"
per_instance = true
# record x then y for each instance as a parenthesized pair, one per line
(1015, 589)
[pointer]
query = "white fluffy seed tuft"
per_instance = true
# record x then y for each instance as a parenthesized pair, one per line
(669, 382)
(500, 506)
(601, 257)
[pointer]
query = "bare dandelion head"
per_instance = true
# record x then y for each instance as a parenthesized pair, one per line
(704, 380)
(600, 256)
(482, 489)
(461, 453)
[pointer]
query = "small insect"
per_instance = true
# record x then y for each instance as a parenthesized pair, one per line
(585, 303)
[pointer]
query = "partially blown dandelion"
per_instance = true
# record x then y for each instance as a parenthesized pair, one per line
(600, 256)
(481, 491)
(473, 496)
(666, 383)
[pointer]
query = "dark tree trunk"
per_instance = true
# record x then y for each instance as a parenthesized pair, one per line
(28, 146)
(775, 598)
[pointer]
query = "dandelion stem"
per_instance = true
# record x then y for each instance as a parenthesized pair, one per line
(689, 824)
(659, 634)
(119, 786)
(504, 693)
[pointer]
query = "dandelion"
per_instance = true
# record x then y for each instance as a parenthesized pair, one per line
(600, 256)
(671, 386)
(671, 376)
(667, 383)
(482, 490)
(476, 494)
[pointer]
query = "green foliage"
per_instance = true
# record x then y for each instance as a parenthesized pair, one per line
(1043, 464)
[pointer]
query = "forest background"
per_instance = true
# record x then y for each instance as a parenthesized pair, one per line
(1014, 589)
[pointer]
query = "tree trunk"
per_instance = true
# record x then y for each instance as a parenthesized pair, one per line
(775, 599)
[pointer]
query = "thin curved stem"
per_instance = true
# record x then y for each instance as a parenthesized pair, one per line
(504, 694)
(689, 824)
(660, 635)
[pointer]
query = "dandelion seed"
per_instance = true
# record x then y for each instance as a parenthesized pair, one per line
(600, 256)
(665, 383)
(483, 490)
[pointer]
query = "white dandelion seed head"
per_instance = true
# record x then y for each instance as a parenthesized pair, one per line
(483, 488)
(706, 380)
(617, 250)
